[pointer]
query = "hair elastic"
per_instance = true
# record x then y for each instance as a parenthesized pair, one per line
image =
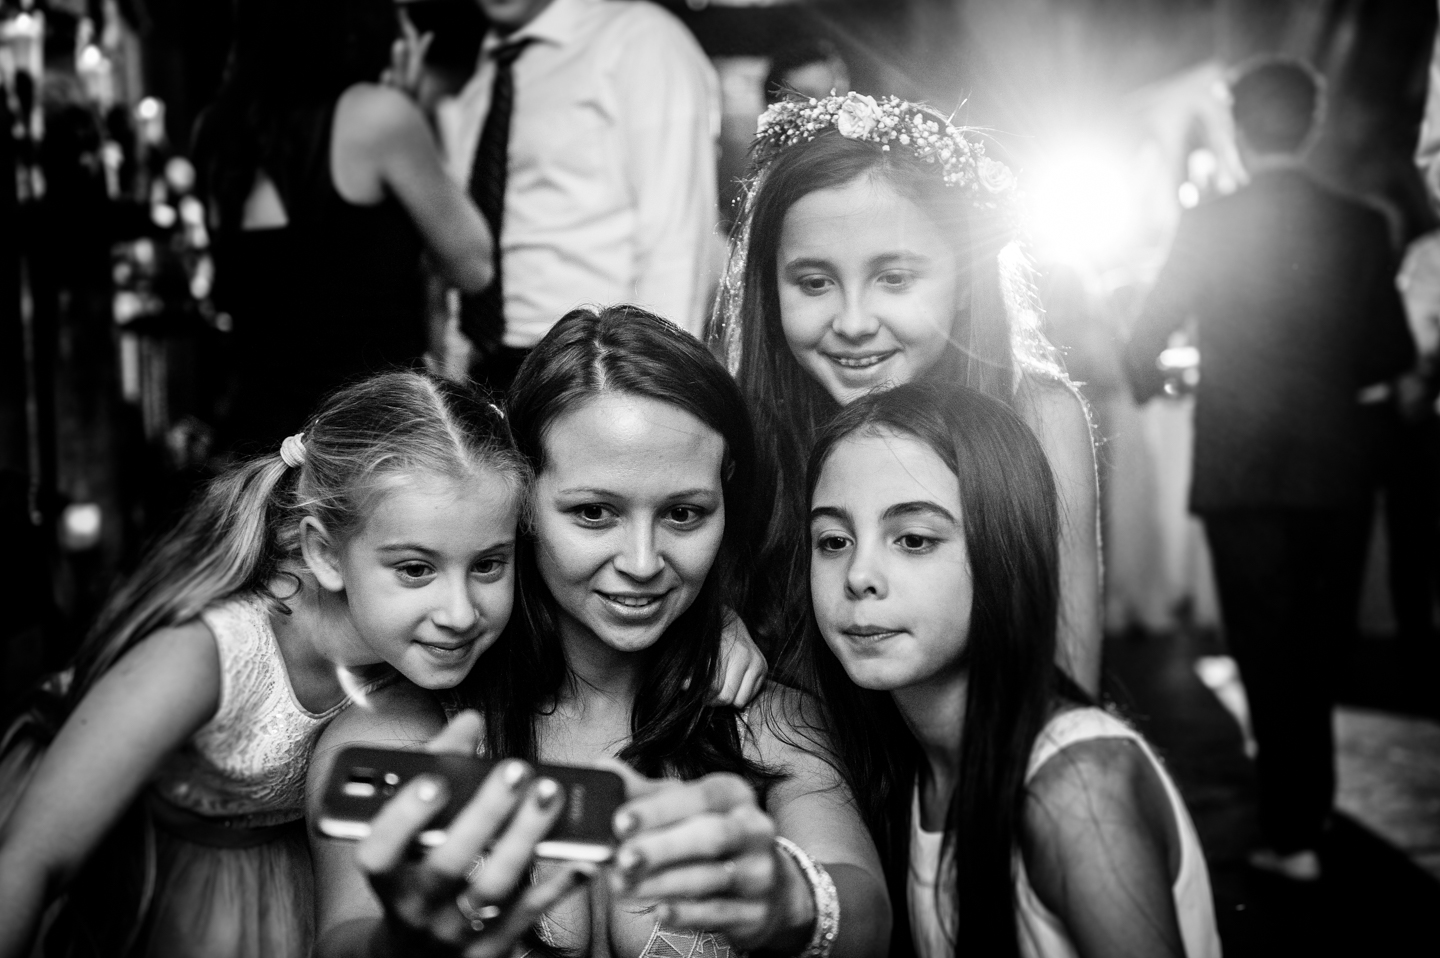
(292, 450)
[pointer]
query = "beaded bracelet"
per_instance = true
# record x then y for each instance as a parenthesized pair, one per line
(827, 901)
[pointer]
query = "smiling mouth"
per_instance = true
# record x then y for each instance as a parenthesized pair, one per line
(632, 602)
(448, 653)
(859, 362)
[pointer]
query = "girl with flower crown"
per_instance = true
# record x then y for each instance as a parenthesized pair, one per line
(876, 247)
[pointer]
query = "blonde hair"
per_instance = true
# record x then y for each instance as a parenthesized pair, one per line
(242, 532)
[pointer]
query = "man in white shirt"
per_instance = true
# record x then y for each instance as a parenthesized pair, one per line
(610, 192)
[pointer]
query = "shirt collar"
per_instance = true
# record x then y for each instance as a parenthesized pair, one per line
(560, 23)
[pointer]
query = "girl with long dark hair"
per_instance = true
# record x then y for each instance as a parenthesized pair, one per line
(324, 188)
(1014, 817)
(876, 246)
(635, 542)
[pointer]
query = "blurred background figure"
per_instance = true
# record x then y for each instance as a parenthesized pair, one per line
(1290, 287)
(808, 68)
(323, 189)
(587, 138)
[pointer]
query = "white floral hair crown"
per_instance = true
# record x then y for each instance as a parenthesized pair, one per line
(893, 123)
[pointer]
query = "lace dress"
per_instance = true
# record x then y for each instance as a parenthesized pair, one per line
(222, 823)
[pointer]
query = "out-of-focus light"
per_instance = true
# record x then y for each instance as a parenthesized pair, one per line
(90, 58)
(148, 108)
(1179, 358)
(1081, 204)
(80, 526)
(163, 216)
(1189, 194)
(180, 174)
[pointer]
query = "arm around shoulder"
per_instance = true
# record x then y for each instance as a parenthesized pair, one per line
(153, 699)
(1101, 848)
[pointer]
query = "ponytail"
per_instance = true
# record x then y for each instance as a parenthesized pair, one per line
(221, 546)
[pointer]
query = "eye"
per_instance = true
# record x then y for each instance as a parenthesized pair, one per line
(830, 543)
(413, 571)
(814, 284)
(592, 514)
(490, 568)
(684, 515)
(895, 279)
(915, 542)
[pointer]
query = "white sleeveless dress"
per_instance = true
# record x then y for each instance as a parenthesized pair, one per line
(230, 875)
(1042, 935)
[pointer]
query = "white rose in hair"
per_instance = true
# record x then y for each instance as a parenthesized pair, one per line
(858, 116)
(994, 175)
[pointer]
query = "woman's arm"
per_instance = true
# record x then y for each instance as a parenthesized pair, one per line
(1102, 850)
(708, 850)
(1059, 419)
(382, 145)
(154, 698)
(376, 898)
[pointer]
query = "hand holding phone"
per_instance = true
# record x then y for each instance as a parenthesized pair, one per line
(365, 778)
(450, 896)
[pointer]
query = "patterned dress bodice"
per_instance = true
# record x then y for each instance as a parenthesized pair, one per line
(248, 763)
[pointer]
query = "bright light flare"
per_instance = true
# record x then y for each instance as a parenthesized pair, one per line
(352, 687)
(1081, 203)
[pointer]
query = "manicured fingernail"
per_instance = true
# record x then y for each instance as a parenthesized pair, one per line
(547, 793)
(428, 790)
(626, 824)
(514, 774)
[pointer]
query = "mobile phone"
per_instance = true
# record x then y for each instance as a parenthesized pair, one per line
(365, 778)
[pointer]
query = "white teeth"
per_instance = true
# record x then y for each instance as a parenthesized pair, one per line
(859, 363)
(631, 601)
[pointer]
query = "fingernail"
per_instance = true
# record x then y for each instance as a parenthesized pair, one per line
(626, 824)
(547, 793)
(514, 774)
(428, 790)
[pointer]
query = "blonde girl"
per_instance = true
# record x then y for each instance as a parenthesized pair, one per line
(378, 542)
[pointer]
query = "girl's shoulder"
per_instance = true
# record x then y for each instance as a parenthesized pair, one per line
(1051, 403)
(1092, 781)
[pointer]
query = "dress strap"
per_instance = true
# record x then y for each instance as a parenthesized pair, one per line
(1075, 725)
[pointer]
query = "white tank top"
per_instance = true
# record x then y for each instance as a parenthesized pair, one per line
(1042, 935)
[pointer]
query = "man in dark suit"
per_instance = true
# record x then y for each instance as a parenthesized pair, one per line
(1291, 289)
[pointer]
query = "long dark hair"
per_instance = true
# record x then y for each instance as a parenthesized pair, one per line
(289, 56)
(674, 730)
(787, 404)
(1011, 524)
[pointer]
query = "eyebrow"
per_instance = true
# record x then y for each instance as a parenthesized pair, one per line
(699, 492)
(900, 510)
(425, 550)
(830, 512)
(920, 507)
(819, 262)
